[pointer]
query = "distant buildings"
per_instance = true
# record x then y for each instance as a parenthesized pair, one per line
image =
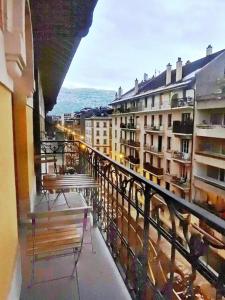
(170, 129)
(90, 124)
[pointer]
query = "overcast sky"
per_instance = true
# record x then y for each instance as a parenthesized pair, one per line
(130, 37)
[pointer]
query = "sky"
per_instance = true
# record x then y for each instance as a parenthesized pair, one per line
(131, 37)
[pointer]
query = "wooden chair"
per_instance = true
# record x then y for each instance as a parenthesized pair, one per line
(55, 234)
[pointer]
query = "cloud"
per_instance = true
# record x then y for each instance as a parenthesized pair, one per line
(132, 37)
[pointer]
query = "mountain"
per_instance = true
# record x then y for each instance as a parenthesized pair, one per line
(71, 100)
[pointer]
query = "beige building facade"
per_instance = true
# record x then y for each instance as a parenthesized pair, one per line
(153, 125)
(98, 133)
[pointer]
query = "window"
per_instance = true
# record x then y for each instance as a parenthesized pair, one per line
(169, 120)
(104, 124)
(146, 102)
(152, 140)
(160, 100)
(97, 132)
(97, 124)
(105, 133)
(115, 146)
(115, 133)
(144, 173)
(168, 143)
(151, 160)
(160, 120)
(159, 162)
(145, 120)
(153, 101)
(152, 120)
(105, 150)
(115, 121)
(97, 141)
(145, 139)
(216, 173)
(186, 117)
(105, 141)
(158, 181)
(184, 145)
(216, 118)
(168, 166)
(97, 148)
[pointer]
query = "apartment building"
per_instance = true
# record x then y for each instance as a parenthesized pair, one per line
(152, 124)
(98, 133)
(209, 139)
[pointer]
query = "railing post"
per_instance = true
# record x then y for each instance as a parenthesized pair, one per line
(96, 194)
(142, 285)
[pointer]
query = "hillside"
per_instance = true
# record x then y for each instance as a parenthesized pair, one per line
(71, 100)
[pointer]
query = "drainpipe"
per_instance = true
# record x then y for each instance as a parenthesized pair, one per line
(192, 147)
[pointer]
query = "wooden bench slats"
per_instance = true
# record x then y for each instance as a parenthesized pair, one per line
(52, 249)
(51, 235)
(39, 244)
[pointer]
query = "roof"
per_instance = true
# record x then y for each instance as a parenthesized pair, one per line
(156, 83)
(58, 27)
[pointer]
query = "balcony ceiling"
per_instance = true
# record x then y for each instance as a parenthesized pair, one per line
(58, 27)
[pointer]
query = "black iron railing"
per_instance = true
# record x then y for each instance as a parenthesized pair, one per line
(185, 127)
(156, 238)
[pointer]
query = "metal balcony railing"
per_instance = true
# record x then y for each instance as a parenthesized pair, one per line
(183, 127)
(162, 252)
(154, 170)
(182, 102)
(130, 143)
(133, 160)
(128, 126)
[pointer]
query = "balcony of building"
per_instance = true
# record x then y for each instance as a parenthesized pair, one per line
(129, 126)
(211, 153)
(157, 129)
(131, 232)
(132, 159)
(211, 130)
(157, 151)
(182, 102)
(153, 170)
(180, 183)
(181, 157)
(183, 128)
(127, 110)
(130, 143)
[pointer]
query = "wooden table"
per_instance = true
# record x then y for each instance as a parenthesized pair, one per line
(62, 183)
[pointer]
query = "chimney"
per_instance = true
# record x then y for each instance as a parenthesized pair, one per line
(136, 86)
(145, 76)
(168, 74)
(120, 91)
(209, 50)
(179, 69)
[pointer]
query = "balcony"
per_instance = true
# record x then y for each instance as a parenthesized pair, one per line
(154, 150)
(123, 110)
(130, 143)
(129, 126)
(131, 233)
(180, 183)
(183, 127)
(181, 157)
(153, 170)
(210, 130)
(133, 160)
(182, 102)
(158, 129)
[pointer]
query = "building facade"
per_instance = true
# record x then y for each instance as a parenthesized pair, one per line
(98, 133)
(152, 124)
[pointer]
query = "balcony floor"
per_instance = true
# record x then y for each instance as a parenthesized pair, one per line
(98, 275)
